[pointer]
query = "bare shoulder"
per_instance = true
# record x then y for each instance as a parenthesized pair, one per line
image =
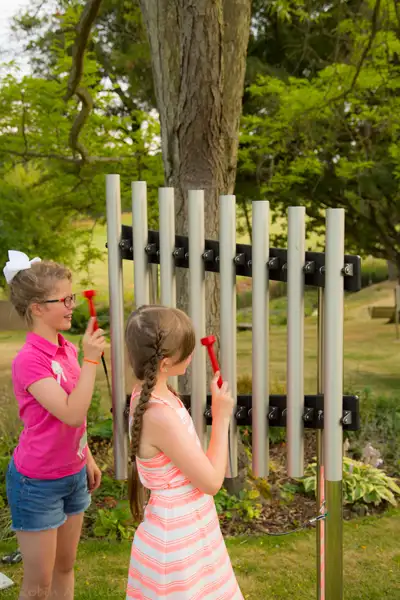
(160, 414)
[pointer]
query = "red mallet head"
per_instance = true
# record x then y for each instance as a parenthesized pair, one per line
(208, 342)
(89, 295)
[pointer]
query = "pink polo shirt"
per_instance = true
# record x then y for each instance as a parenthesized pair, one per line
(47, 448)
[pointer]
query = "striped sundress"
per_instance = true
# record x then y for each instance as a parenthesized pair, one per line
(178, 552)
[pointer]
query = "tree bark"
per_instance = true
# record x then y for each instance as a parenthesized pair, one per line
(198, 51)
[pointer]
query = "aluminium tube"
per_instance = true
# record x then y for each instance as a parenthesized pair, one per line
(333, 401)
(260, 337)
(197, 311)
(295, 340)
(141, 272)
(115, 278)
(167, 247)
(227, 253)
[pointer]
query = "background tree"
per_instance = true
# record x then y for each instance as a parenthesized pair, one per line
(324, 133)
(64, 153)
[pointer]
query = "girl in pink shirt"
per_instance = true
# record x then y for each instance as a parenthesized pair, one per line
(52, 471)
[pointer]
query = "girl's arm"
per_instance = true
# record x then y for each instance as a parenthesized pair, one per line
(72, 409)
(164, 430)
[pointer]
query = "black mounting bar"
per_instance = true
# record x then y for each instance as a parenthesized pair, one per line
(313, 416)
(314, 269)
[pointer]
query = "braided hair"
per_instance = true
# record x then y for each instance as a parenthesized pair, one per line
(152, 333)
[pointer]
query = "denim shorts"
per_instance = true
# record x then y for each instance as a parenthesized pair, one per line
(40, 504)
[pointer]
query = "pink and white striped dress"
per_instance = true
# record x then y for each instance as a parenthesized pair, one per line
(178, 552)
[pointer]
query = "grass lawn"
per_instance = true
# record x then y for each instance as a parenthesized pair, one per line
(267, 568)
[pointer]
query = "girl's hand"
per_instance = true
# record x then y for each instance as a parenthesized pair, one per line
(222, 402)
(93, 342)
(93, 474)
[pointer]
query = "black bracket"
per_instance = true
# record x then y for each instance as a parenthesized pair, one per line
(276, 412)
(314, 268)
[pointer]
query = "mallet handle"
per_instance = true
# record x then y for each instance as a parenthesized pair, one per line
(214, 363)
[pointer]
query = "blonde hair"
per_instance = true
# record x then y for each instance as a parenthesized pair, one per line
(34, 285)
(152, 333)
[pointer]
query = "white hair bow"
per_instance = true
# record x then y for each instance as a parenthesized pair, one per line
(18, 261)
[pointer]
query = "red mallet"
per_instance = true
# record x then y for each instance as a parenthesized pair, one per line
(89, 295)
(209, 342)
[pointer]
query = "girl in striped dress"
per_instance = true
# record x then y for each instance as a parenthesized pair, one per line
(178, 552)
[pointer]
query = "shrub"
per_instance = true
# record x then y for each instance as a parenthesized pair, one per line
(373, 271)
(243, 506)
(80, 318)
(380, 426)
(361, 484)
(115, 523)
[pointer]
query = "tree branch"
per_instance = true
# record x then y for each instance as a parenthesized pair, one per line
(374, 31)
(83, 29)
(397, 10)
(68, 159)
(79, 122)
(23, 122)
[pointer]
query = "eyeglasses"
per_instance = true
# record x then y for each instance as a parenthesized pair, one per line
(68, 301)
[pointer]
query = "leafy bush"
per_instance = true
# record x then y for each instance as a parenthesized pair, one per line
(373, 271)
(115, 523)
(80, 318)
(243, 506)
(361, 484)
(380, 426)
(5, 520)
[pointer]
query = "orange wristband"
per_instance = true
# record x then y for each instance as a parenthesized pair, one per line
(93, 362)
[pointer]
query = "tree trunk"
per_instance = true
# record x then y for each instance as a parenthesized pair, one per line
(393, 271)
(198, 51)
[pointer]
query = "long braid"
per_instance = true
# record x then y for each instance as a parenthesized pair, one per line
(137, 493)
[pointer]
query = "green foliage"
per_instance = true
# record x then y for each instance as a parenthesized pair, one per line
(361, 484)
(288, 491)
(100, 428)
(373, 271)
(244, 507)
(6, 447)
(32, 215)
(80, 318)
(114, 523)
(380, 426)
(111, 488)
(46, 182)
(323, 126)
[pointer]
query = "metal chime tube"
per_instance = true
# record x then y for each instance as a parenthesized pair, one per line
(227, 253)
(197, 310)
(333, 402)
(167, 247)
(141, 272)
(260, 337)
(115, 279)
(320, 526)
(295, 340)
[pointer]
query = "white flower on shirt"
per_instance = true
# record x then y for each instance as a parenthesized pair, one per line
(58, 370)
